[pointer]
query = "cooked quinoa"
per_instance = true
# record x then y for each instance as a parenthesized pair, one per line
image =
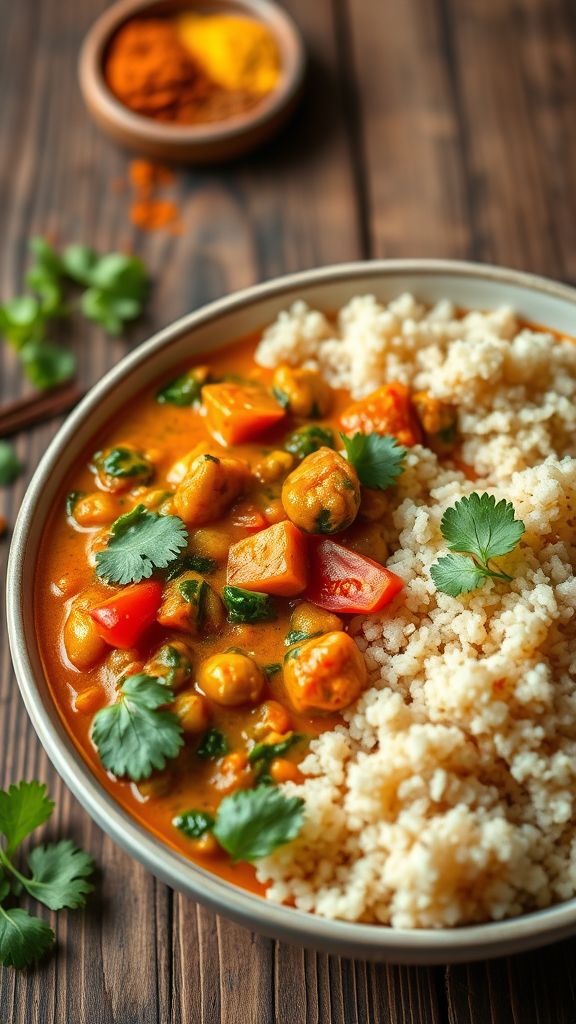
(449, 796)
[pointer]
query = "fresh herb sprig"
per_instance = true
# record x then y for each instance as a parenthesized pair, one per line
(378, 459)
(10, 465)
(115, 288)
(138, 733)
(478, 529)
(140, 541)
(59, 878)
(251, 823)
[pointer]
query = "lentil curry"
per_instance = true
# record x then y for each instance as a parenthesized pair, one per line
(199, 576)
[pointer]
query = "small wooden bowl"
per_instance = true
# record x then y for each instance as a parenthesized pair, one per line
(202, 143)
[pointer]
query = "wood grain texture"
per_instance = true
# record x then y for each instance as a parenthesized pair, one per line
(433, 127)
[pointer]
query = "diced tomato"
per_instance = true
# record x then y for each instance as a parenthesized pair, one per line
(386, 411)
(239, 412)
(343, 581)
(124, 617)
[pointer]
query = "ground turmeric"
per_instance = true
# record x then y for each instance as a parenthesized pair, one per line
(192, 68)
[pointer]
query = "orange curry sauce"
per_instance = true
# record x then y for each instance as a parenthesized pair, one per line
(166, 432)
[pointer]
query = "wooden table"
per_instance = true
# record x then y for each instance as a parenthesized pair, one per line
(430, 128)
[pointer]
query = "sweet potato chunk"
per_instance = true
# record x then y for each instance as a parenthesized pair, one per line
(385, 411)
(239, 412)
(273, 561)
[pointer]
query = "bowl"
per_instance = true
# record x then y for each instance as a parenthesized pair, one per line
(202, 143)
(469, 285)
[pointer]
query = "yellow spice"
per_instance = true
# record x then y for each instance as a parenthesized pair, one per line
(238, 53)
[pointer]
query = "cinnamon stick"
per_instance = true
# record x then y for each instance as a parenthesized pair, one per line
(25, 412)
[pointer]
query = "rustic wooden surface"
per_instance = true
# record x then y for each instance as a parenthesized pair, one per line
(430, 127)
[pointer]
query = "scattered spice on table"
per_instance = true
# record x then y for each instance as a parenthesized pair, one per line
(149, 211)
(192, 68)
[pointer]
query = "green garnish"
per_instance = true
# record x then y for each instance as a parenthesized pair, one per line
(194, 824)
(185, 390)
(116, 286)
(123, 463)
(306, 440)
(72, 498)
(281, 397)
(190, 563)
(59, 875)
(252, 823)
(212, 745)
(262, 755)
(298, 636)
(137, 734)
(271, 669)
(324, 522)
(247, 606)
(178, 666)
(10, 465)
(140, 542)
(194, 593)
(378, 459)
(292, 653)
(483, 529)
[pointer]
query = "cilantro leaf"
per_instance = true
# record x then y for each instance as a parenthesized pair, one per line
(44, 277)
(481, 526)
(10, 465)
(140, 542)
(47, 365)
(252, 823)
(457, 574)
(212, 745)
(23, 938)
(78, 262)
(378, 459)
(117, 288)
(22, 320)
(478, 526)
(59, 875)
(22, 809)
(194, 824)
(133, 736)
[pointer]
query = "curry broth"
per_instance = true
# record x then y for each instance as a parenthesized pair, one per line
(63, 571)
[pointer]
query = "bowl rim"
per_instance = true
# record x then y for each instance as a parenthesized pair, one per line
(367, 941)
(92, 80)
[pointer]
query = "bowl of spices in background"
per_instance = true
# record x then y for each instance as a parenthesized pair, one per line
(194, 81)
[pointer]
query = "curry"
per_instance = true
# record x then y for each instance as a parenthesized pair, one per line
(196, 583)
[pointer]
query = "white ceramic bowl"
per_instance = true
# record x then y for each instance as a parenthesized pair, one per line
(469, 285)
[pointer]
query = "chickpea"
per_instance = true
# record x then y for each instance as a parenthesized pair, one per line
(271, 717)
(119, 661)
(211, 543)
(98, 509)
(171, 662)
(84, 647)
(231, 679)
(307, 618)
(274, 512)
(282, 770)
(273, 467)
(305, 392)
(367, 539)
(206, 846)
(374, 504)
(209, 488)
(322, 495)
(156, 499)
(90, 700)
(156, 786)
(193, 711)
(325, 674)
(122, 468)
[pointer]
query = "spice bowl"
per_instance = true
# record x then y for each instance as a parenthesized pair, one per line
(196, 143)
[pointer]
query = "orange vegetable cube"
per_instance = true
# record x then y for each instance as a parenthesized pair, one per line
(273, 561)
(239, 412)
(388, 410)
